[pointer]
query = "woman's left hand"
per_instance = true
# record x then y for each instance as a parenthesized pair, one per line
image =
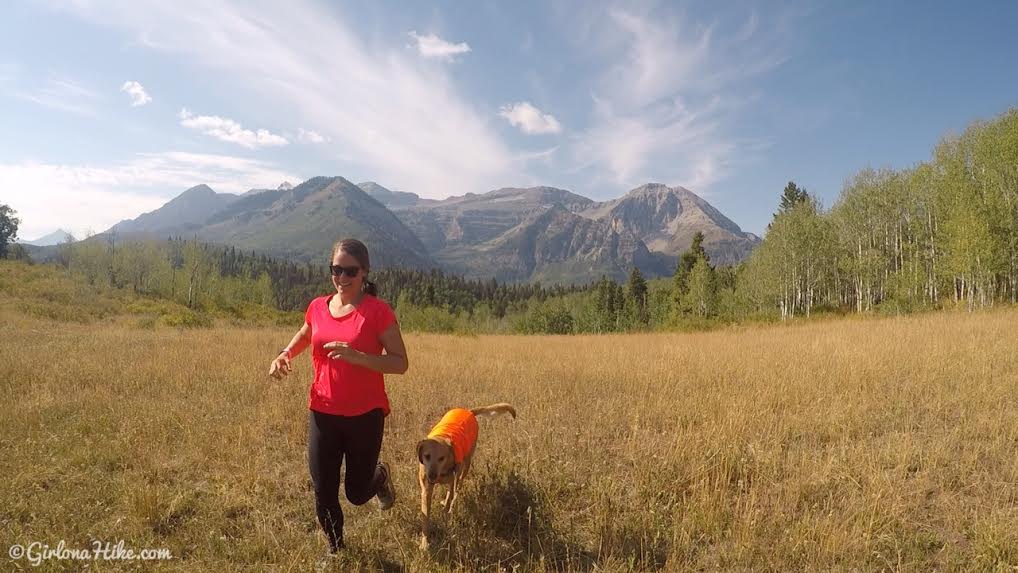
(342, 350)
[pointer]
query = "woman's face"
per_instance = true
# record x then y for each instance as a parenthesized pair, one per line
(347, 285)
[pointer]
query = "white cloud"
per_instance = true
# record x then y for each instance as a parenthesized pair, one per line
(431, 46)
(667, 91)
(667, 102)
(228, 130)
(529, 119)
(662, 58)
(63, 94)
(632, 147)
(79, 198)
(311, 136)
(397, 117)
(138, 94)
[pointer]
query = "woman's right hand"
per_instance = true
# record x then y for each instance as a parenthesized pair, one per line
(280, 366)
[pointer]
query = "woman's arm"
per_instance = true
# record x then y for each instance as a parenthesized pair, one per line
(394, 361)
(281, 363)
(300, 341)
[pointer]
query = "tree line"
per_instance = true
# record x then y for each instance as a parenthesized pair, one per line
(941, 233)
(944, 231)
(202, 276)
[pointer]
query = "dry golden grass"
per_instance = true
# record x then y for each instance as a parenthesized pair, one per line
(867, 445)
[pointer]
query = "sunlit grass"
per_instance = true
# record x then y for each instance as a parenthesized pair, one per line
(846, 445)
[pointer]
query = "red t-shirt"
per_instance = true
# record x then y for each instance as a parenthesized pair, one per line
(339, 387)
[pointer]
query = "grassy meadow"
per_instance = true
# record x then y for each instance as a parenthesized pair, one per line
(855, 444)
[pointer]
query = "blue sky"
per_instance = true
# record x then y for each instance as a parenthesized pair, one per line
(111, 108)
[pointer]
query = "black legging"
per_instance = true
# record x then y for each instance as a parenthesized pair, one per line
(330, 439)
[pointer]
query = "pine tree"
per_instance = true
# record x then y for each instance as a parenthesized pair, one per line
(790, 197)
(637, 295)
(685, 266)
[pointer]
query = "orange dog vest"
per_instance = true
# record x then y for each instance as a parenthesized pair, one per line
(459, 426)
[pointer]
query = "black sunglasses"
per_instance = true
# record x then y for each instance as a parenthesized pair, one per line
(339, 270)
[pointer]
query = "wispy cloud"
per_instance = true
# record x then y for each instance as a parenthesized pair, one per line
(431, 46)
(311, 136)
(666, 92)
(49, 195)
(633, 147)
(225, 129)
(668, 98)
(529, 119)
(395, 115)
(137, 92)
(63, 94)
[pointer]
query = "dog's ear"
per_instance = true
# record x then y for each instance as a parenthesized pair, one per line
(420, 452)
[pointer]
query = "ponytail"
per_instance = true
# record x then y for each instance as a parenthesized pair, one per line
(369, 287)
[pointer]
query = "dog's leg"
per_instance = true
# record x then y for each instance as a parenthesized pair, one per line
(457, 482)
(450, 497)
(466, 463)
(460, 476)
(427, 489)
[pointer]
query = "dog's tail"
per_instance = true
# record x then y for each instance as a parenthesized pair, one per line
(494, 409)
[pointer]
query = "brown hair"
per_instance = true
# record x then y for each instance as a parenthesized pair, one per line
(359, 251)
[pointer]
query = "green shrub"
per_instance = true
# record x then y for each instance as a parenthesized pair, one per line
(187, 319)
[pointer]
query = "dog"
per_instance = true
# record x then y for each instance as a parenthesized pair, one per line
(445, 456)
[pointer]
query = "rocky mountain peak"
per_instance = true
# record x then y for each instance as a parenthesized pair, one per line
(513, 233)
(202, 190)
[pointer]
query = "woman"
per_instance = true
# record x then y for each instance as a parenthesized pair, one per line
(347, 331)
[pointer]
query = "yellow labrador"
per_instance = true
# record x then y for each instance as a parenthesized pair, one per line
(445, 456)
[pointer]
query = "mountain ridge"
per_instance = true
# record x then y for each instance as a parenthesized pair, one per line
(511, 233)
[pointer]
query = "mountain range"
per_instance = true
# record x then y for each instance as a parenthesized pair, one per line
(511, 234)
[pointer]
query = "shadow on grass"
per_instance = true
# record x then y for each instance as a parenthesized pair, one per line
(355, 559)
(504, 522)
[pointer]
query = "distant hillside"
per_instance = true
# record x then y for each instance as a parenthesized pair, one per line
(393, 199)
(304, 222)
(472, 219)
(181, 214)
(299, 223)
(54, 238)
(555, 245)
(468, 233)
